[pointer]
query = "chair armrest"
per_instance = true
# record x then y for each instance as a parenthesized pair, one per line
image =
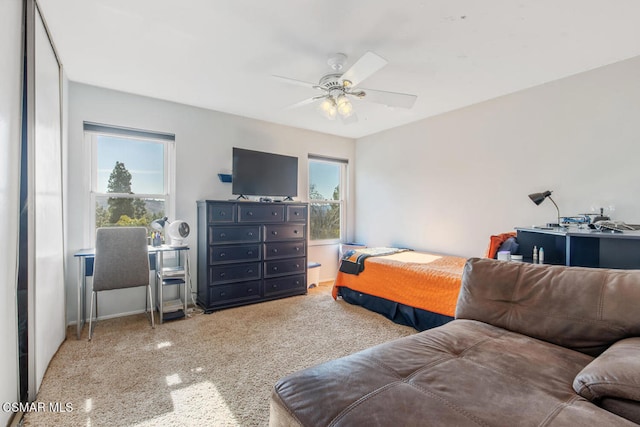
(613, 374)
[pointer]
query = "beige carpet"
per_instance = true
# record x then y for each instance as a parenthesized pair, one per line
(207, 370)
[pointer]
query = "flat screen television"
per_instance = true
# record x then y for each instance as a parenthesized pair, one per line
(256, 173)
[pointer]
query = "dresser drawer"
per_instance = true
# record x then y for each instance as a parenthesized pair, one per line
(221, 212)
(231, 234)
(226, 254)
(234, 272)
(285, 285)
(284, 232)
(284, 249)
(261, 213)
(244, 246)
(221, 295)
(296, 213)
(285, 266)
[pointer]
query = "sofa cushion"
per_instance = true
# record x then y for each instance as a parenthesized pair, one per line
(629, 409)
(613, 378)
(615, 373)
(463, 373)
(586, 309)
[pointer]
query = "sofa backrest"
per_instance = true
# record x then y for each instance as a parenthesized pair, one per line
(585, 309)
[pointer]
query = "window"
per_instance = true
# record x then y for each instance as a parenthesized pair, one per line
(131, 176)
(327, 195)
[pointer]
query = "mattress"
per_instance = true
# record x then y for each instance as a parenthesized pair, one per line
(429, 283)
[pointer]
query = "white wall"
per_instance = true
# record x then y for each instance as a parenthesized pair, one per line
(10, 126)
(447, 183)
(204, 141)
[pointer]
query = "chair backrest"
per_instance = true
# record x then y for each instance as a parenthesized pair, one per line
(122, 258)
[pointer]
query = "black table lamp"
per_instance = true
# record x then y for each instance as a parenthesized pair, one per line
(538, 198)
(158, 224)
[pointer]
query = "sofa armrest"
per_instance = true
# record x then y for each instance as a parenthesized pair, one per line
(615, 373)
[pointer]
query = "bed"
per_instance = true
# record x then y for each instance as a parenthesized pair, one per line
(411, 288)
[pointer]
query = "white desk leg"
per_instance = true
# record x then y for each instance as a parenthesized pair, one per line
(80, 316)
(159, 279)
(187, 280)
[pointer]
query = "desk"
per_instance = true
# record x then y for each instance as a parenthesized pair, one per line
(85, 269)
(582, 247)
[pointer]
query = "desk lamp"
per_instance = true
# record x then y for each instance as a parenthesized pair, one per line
(158, 224)
(538, 198)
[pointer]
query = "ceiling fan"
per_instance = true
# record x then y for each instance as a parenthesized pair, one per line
(337, 87)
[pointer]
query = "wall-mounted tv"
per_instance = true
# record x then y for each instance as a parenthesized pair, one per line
(256, 173)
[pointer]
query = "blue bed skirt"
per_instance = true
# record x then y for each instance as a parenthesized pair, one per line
(399, 313)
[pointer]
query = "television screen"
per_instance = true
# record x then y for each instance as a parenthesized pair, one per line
(256, 173)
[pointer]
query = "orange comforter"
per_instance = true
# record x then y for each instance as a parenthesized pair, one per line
(426, 281)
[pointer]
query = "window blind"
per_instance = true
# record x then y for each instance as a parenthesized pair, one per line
(117, 130)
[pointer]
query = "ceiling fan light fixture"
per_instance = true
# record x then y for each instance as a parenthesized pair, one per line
(328, 108)
(345, 108)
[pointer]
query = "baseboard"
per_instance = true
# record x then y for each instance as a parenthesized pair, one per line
(110, 316)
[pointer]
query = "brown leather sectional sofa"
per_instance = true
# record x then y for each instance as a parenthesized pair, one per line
(532, 345)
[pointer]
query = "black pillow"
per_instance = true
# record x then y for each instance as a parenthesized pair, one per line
(511, 245)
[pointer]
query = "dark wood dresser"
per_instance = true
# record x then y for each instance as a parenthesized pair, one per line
(250, 252)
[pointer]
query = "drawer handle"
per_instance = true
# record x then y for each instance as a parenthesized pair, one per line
(295, 231)
(222, 213)
(274, 286)
(297, 249)
(222, 294)
(222, 255)
(296, 213)
(249, 213)
(249, 270)
(249, 252)
(223, 235)
(275, 233)
(297, 282)
(275, 250)
(249, 290)
(275, 268)
(222, 274)
(250, 234)
(297, 265)
(274, 213)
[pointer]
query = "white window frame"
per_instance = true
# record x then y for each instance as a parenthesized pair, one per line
(91, 143)
(343, 202)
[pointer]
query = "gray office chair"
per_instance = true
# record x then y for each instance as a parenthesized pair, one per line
(122, 261)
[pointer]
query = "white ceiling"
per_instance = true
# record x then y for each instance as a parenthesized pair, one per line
(221, 54)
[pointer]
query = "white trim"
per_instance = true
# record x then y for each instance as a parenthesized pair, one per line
(91, 158)
(343, 202)
(90, 217)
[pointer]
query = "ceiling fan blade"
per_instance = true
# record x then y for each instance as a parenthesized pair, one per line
(296, 82)
(305, 102)
(391, 99)
(364, 67)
